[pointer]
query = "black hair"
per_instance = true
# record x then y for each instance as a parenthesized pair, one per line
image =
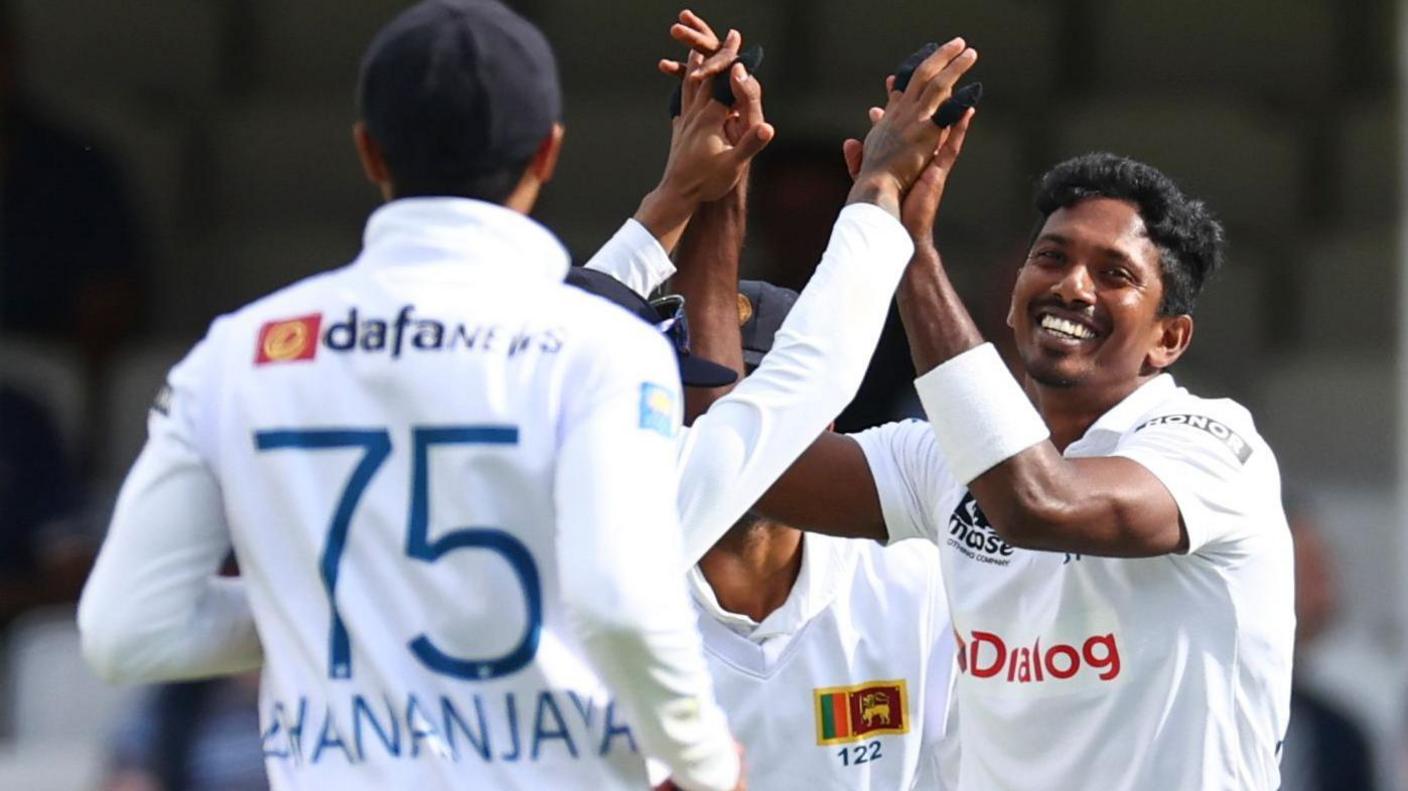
(1188, 237)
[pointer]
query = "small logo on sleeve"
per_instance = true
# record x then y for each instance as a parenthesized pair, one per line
(657, 408)
(288, 340)
(848, 714)
(1219, 431)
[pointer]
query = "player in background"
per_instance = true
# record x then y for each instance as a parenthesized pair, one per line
(446, 476)
(732, 453)
(831, 657)
(1116, 556)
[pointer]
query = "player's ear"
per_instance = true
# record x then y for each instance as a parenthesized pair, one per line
(1175, 333)
(544, 161)
(373, 162)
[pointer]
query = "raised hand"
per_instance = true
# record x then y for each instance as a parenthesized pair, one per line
(711, 144)
(747, 108)
(921, 204)
(903, 139)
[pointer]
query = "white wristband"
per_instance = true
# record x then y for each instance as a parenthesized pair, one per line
(979, 413)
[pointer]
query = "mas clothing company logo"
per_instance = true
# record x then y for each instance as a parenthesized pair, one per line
(288, 340)
(848, 714)
(970, 532)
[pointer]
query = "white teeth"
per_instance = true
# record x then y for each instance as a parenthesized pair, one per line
(1066, 327)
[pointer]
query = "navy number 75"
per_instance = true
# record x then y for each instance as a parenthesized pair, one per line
(375, 445)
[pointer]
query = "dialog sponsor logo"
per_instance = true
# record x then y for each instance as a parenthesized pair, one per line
(987, 655)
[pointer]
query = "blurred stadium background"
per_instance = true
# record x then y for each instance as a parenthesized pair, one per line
(201, 155)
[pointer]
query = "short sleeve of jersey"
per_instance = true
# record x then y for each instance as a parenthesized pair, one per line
(1211, 461)
(910, 476)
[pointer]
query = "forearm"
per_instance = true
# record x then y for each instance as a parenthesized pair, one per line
(666, 211)
(879, 189)
(740, 446)
(936, 322)
(707, 277)
(153, 608)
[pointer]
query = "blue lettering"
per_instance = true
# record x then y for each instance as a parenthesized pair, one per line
(275, 725)
(391, 742)
(546, 703)
(402, 319)
(330, 729)
(585, 710)
(613, 730)
(452, 717)
(511, 708)
(422, 729)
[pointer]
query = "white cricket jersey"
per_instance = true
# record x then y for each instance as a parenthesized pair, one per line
(1083, 672)
(863, 623)
(845, 686)
(739, 447)
(447, 479)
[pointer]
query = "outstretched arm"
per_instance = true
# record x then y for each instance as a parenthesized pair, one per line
(749, 437)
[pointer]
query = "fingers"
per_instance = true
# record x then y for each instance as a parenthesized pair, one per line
(670, 68)
(754, 141)
(939, 89)
(693, 32)
(721, 59)
(927, 70)
(876, 115)
(852, 150)
(691, 88)
(747, 95)
(952, 145)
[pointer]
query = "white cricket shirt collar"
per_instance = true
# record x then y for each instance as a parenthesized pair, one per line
(1122, 416)
(423, 230)
(812, 593)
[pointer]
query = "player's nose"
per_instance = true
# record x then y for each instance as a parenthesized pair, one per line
(1075, 286)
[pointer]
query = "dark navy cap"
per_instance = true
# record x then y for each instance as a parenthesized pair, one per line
(665, 314)
(762, 307)
(464, 86)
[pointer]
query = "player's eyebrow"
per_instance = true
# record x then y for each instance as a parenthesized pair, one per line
(1105, 251)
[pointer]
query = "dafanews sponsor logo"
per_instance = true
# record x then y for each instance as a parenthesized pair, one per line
(971, 534)
(987, 655)
(1219, 431)
(859, 711)
(289, 340)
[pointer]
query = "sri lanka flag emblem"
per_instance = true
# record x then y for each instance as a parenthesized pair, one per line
(848, 714)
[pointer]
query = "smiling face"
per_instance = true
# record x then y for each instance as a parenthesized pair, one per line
(1085, 309)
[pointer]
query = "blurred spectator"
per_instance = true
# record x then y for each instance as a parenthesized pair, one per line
(43, 556)
(1325, 750)
(69, 261)
(197, 736)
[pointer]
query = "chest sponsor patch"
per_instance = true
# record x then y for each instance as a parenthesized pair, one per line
(970, 532)
(657, 408)
(1218, 431)
(848, 714)
(288, 340)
